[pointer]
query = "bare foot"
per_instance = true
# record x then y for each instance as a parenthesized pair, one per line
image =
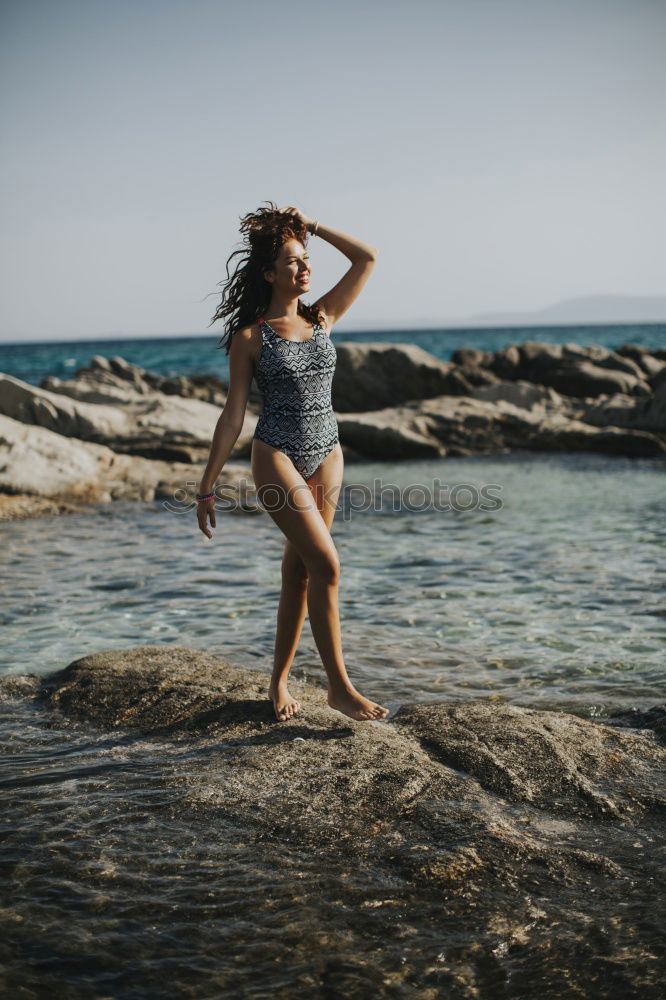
(353, 704)
(285, 706)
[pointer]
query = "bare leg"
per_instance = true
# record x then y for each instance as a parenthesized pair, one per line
(290, 618)
(295, 506)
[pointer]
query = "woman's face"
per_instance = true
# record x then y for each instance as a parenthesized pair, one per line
(291, 271)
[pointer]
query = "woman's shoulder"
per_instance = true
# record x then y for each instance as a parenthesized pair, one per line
(247, 339)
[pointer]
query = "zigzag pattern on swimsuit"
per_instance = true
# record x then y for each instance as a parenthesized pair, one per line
(295, 378)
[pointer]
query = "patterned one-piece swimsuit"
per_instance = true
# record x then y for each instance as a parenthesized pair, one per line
(295, 378)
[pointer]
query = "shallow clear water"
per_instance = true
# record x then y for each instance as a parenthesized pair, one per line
(557, 596)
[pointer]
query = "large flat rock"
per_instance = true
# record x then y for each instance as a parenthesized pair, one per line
(529, 834)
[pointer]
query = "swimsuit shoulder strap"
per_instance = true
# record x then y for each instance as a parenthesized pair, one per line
(266, 328)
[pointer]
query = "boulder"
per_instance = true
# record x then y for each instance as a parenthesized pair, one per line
(525, 395)
(571, 369)
(527, 417)
(621, 410)
(472, 357)
(583, 378)
(528, 838)
(36, 462)
(116, 380)
(551, 761)
(391, 434)
(71, 418)
(149, 424)
(370, 376)
(644, 359)
(602, 358)
(506, 362)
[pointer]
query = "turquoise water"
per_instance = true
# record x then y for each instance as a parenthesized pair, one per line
(183, 355)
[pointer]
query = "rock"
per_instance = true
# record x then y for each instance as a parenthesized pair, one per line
(621, 410)
(107, 389)
(150, 424)
(448, 425)
(506, 363)
(558, 434)
(371, 376)
(117, 380)
(653, 718)
(410, 405)
(647, 362)
(525, 395)
(42, 464)
(536, 359)
(21, 506)
(635, 351)
(71, 418)
(478, 376)
(391, 434)
(570, 368)
(554, 760)
(528, 836)
(470, 356)
(601, 357)
(582, 378)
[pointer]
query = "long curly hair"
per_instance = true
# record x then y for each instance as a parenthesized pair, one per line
(246, 294)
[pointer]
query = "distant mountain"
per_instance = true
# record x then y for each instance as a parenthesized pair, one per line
(586, 309)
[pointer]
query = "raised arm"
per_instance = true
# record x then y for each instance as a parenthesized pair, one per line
(363, 257)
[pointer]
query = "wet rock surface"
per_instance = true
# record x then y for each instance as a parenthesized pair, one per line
(534, 836)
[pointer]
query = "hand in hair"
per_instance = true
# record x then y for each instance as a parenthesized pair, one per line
(290, 210)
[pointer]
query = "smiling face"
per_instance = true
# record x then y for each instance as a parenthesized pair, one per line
(291, 271)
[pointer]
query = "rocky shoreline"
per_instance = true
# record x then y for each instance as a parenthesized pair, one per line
(118, 431)
(538, 831)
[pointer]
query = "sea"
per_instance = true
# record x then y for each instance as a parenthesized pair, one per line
(181, 354)
(551, 595)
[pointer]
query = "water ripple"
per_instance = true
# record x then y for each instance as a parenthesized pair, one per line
(560, 593)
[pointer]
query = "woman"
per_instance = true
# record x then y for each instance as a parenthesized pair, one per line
(296, 459)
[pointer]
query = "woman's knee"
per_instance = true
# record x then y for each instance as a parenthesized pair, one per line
(325, 566)
(294, 571)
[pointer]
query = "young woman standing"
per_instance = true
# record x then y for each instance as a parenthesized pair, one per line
(296, 460)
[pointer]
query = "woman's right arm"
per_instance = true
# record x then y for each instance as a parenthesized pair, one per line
(230, 422)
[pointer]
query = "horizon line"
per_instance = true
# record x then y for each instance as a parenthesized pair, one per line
(80, 338)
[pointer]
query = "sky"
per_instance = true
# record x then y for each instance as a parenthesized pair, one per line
(500, 154)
